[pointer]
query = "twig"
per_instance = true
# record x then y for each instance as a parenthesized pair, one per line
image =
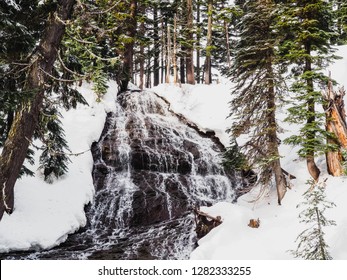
(67, 69)
(60, 79)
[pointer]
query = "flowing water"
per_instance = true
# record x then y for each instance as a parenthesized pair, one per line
(151, 167)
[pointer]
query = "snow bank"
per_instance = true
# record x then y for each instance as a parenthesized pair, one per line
(44, 213)
(207, 105)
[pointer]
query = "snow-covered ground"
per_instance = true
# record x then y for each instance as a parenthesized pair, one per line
(46, 213)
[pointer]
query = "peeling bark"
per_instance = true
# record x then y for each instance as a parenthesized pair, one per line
(336, 125)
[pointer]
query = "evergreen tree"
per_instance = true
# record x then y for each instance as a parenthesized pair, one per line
(309, 27)
(258, 86)
(341, 20)
(41, 64)
(54, 158)
(311, 242)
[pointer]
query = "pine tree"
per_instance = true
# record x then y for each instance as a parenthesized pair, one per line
(341, 20)
(311, 242)
(309, 28)
(258, 86)
(54, 158)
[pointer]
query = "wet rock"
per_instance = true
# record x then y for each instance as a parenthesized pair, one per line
(151, 167)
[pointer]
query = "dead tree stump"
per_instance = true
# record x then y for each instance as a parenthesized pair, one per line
(336, 126)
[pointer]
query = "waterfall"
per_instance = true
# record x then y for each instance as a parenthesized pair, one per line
(150, 170)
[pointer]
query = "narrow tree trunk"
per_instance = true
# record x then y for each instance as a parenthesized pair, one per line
(208, 74)
(168, 58)
(27, 118)
(182, 67)
(198, 39)
(142, 30)
(280, 179)
(129, 47)
(310, 135)
(162, 51)
(156, 47)
(148, 72)
(174, 56)
(190, 48)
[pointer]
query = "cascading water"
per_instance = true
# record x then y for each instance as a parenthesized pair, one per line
(150, 170)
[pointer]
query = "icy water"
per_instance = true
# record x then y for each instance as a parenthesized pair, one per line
(151, 167)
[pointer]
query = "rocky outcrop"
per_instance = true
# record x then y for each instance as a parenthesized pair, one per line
(151, 168)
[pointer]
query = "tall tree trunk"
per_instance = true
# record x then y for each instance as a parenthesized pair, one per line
(198, 39)
(129, 47)
(142, 52)
(27, 118)
(280, 179)
(163, 31)
(168, 58)
(174, 56)
(156, 46)
(208, 74)
(190, 48)
(310, 135)
(148, 68)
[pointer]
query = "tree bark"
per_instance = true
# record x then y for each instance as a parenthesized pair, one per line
(198, 39)
(182, 67)
(280, 179)
(336, 125)
(27, 117)
(156, 46)
(208, 66)
(142, 52)
(129, 47)
(168, 58)
(174, 56)
(310, 135)
(189, 49)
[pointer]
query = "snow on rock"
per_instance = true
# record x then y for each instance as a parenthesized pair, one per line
(45, 213)
(205, 105)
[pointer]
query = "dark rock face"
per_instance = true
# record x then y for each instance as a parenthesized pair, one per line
(158, 167)
(151, 168)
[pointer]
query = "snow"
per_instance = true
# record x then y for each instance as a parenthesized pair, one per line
(46, 213)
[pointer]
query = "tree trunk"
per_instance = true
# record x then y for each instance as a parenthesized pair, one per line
(148, 72)
(168, 58)
(182, 68)
(162, 50)
(129, 47)
(208, 74)
(156, 47)
(189, 49)
(336, 125)
(174, 56)
(142, 52)
(310, 135)
(27, 118)
(198, 39)
(280, 179)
